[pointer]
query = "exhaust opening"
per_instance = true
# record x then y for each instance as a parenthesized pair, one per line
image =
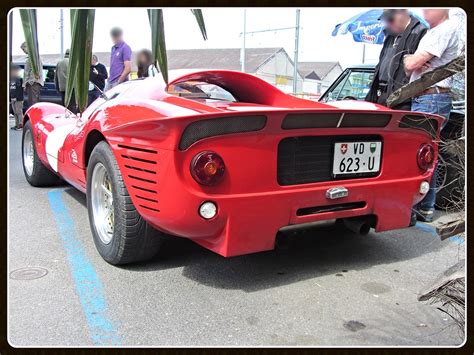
(360, 225)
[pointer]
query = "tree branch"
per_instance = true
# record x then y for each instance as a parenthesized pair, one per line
(426, 80)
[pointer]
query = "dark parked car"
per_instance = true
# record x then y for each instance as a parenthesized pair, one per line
(354, 83)
(48, 92)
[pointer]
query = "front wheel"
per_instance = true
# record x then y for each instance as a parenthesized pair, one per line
(120, 234)
(36, 173)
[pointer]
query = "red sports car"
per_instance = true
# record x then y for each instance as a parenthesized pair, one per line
(228, 160)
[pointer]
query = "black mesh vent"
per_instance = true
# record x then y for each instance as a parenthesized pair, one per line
(333, 120)
(429, 125)
(365, 120)
(219, 126)
(311, 120)
(303, 160)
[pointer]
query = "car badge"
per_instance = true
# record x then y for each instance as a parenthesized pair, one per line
(337, 192)
(343, 148)
(373, 147)
(73, 156)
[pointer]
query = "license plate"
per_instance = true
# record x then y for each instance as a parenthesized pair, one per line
(356, 158)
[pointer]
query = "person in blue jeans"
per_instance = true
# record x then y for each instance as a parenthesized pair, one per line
(439, 104)
(438, 47)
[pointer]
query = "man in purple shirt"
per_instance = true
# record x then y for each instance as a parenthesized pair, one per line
(120, 59)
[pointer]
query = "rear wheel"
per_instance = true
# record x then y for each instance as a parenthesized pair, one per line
(36, 173)
(120, 234)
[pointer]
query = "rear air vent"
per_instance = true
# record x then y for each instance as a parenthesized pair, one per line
(140, 166)
(429, 125)
(310, 120)
(335, 120)
(330, 208)
(365, 120)
(198, 130)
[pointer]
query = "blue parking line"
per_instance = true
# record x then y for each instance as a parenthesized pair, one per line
(88, 286)
(432, 230)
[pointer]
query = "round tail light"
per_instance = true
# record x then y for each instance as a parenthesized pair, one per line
(207, 168)
(426, 155)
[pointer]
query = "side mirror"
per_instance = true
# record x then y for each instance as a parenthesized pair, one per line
(102, 94)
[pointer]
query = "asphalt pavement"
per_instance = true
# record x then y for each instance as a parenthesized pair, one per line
(329, 287)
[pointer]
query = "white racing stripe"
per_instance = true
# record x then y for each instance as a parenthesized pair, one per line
(54, 141)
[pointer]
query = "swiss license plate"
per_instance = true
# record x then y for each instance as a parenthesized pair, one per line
(356, 158)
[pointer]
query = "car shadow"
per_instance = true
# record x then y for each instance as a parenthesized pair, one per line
(76, 195)
(312, 253)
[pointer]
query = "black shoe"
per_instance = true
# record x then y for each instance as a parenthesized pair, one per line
(425, 216)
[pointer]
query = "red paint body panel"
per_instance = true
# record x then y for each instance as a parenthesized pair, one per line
(144, 125)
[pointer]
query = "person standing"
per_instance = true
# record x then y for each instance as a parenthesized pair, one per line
(60, 80)
(120, 59)
(97, 76)
(403, 33)
(32, 82)
(60, 76)
(146, 64)
(437, 48)
(16, 96)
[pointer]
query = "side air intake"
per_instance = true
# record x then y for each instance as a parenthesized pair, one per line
(140, 166)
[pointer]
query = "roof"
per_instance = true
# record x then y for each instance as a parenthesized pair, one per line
(316, 70)
(218, 58)
(362, 66)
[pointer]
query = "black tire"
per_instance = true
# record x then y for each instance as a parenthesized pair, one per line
(133, 239)
(450, 194)
(40, 175)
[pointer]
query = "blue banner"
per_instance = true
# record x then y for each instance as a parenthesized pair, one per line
(366, 27)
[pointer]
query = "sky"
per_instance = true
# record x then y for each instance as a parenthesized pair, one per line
(224, 27)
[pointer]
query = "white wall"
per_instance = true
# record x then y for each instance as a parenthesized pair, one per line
(278, 71)
(330, 77)
(311, 86)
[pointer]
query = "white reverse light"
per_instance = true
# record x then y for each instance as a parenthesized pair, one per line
(208, 210)
(424, 187)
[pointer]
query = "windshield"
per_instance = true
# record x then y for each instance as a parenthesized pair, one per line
(355, 85)
(200, 90)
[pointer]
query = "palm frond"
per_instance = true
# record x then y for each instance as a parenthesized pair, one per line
(158, 43)
(82, 28)
(30, 29)
(200, 20)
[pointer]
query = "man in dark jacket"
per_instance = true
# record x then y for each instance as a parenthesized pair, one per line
(97, 76)
(403, 32)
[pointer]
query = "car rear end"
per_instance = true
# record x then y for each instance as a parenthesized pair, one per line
(231, 181)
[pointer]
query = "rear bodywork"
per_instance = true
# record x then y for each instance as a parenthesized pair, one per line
(277, 151)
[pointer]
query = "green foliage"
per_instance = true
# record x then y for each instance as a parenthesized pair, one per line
(82, 31)
(200, 20)
(30, 29)
(158, 43)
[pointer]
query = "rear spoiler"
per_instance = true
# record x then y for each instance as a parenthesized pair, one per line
(246, 88)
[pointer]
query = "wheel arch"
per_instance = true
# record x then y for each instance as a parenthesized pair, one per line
(93, 138)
